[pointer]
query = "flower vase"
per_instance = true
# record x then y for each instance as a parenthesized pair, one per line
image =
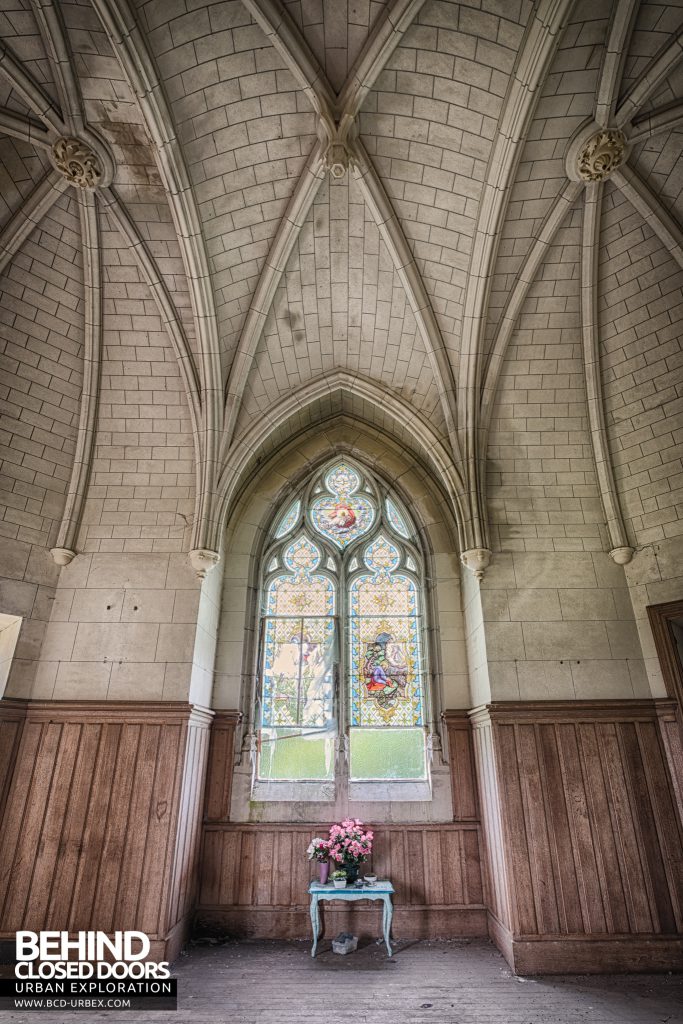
(323, 871)
(351, 873)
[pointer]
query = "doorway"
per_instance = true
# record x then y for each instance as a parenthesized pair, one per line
(666, 621)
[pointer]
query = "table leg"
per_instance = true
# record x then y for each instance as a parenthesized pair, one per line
(315, 921)
(386, 921)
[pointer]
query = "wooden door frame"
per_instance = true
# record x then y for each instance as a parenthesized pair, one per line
(660, 615)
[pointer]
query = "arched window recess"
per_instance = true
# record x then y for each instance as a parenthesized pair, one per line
(342, 674)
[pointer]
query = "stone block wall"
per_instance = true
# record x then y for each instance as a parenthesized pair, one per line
(123, 627)
(41, 352)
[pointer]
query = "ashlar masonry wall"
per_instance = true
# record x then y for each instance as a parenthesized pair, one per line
(557, 618)
(41, 345)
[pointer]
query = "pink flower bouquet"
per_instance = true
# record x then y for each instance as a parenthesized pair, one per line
(349, 843)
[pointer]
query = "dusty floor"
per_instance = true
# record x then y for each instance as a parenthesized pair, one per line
(463, 982)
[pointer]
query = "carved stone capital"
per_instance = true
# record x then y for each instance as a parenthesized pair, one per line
(476, 560)
(594, 153)
(81, 162)
(203, 561)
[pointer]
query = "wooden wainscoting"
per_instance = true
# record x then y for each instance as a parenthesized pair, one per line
(12, 715)
(670, 715)
(101, 821)
(584, 843)
(221, 765)
(461, 759)
(255, 879)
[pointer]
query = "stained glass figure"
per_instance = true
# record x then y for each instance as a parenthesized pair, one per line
(374, 590)
(289, 519)
(342, 515)
(396, 520)
(386, 684)
(298, 641)
(298, 672)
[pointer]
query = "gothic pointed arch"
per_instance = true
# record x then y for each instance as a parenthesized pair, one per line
(341, 692)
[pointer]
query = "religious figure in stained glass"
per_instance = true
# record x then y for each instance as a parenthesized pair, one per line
(342, 515)
(298, 641)
(386, 687)
(371, 595)
(385, 670)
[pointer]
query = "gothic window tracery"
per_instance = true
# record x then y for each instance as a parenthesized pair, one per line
(341, 646)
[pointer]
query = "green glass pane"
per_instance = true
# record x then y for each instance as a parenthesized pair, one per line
(388, 754)
(289, 754)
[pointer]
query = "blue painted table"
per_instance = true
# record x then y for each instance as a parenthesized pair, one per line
(381, 890)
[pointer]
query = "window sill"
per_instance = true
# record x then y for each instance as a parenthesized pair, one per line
(293, 792)
(390, 792)
(325, 792)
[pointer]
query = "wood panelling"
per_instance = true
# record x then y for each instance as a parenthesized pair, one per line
(595, 954)
(101, 821)
(670, 715)
(255, 880)
(221, 765)
(254, 877)
(462, 765)
(584, 844)
(583, 838)
(12, 714)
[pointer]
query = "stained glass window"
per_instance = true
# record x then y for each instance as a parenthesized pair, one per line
(297, 682)
(298, 666)
(342, 515)
(396, 520)
(387, 701)
(384, 642)
(342, 564)
(289, 519)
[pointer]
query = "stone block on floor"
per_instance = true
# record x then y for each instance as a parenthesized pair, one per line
(345, 943)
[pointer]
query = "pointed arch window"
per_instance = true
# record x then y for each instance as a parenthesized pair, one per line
(297, 671)
(342, 658)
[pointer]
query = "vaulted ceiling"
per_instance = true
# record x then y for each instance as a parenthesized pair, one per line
(317, 196)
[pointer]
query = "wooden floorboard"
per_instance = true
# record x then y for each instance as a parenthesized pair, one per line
(456, 982)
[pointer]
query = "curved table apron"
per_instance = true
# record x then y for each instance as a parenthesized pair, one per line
(380, 891)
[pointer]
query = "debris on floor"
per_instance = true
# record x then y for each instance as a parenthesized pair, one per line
(344, 943)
